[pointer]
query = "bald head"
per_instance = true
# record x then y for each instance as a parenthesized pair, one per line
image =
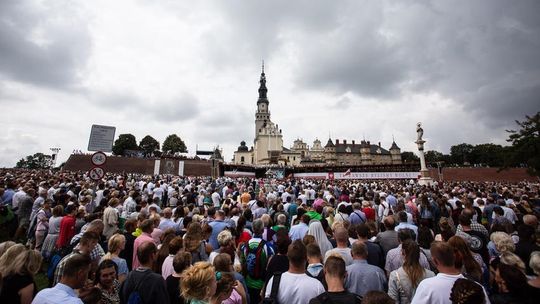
(530, 220)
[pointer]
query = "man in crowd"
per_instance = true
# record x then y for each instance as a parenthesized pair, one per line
(362, 277)
(342, 236)
(295, 286)
(142, 282)
(74, 275)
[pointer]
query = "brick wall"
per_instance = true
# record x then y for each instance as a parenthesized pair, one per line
(116, 164)
(483, 174)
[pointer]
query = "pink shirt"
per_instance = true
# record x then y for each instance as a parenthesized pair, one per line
(167, 268)
(144, 237)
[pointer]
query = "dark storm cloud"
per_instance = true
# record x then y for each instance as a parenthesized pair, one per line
(37, 48)
(484, 55)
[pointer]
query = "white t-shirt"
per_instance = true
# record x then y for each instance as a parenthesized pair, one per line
(296, 288)
(158, 192)
(437, 289)
(344, 252)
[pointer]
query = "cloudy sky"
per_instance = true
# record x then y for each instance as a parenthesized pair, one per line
(350, 69)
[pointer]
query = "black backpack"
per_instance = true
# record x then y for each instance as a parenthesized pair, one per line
(272, 299)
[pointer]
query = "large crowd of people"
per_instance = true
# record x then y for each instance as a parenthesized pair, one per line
(170, 239)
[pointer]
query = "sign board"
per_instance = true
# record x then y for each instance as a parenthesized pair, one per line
(101, 138)
(99, 159)
(96, 173)
(358, 175)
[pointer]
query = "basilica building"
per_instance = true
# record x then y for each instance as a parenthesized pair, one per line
(268, 145)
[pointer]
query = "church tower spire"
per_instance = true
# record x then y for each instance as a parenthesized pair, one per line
(262, 87)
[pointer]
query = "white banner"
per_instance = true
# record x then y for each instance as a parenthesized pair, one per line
(359, 175)
(239, 174)
(181, 168)
(157, 163)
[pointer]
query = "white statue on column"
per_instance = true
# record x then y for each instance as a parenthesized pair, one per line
(424, 172)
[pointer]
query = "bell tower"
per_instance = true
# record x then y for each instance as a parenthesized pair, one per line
(262, 116)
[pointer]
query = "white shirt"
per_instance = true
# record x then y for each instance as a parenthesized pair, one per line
(344, 252)
(158, 192)
(296, 288)
(437, 289)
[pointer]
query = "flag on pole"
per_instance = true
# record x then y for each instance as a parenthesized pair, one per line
(347, 173)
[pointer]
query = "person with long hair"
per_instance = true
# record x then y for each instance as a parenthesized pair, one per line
(512, 286)
(470, 263)
(222, 264)
(18, 284)
(467, 291)
(116, 244)
(194, 242)
(107, 282)
(403, 282)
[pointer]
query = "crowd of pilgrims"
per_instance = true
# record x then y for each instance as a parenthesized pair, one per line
(170, 239)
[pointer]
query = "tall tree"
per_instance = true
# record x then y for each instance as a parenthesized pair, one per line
(173, 144)
(525, 147)
(433, 156)
(149, 145)
(461, 154)
(487, 155)
(36, 161)
(124, 142)
(409, 157)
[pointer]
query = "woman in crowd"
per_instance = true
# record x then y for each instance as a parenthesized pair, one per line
(181, 261)
(116, 244)
(222, 264)
(467, 291)
(18, 285)
(242, 233)
(42, 223)
(403, 282)
(198, 284)
(127, 254)
(110, 218)
(54, 229)
(512, 286)
(106, 280)
(470, 263)
(534, 264)
(167, 267)
(194, 243)
(226, 245)
(317, 231)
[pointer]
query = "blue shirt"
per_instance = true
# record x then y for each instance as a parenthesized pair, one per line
(362, 277)
(217, 227)
(408, 226)
(7, 198)
(59, 294)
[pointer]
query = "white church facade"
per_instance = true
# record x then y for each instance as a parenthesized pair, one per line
(268, 145)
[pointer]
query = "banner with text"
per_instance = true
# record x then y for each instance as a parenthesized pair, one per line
(359, 175)
(239, 174)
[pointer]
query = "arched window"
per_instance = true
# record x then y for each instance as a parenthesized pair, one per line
(242, 159)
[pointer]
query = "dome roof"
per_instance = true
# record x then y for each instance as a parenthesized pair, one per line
(242, 147)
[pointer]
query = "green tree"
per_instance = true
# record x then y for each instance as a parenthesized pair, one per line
(149, 145)
(525, 147)
(409, 157)
(461, 154)
(36, 161)
(124, 142)
(487, 155)
(433, 156)
(173, 144)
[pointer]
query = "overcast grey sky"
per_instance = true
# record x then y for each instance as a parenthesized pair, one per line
(351, 69)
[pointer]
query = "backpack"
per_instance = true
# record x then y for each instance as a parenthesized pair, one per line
(319, 277)
(55, 259)
(135, 296)
(272, 299)
(253, 261)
